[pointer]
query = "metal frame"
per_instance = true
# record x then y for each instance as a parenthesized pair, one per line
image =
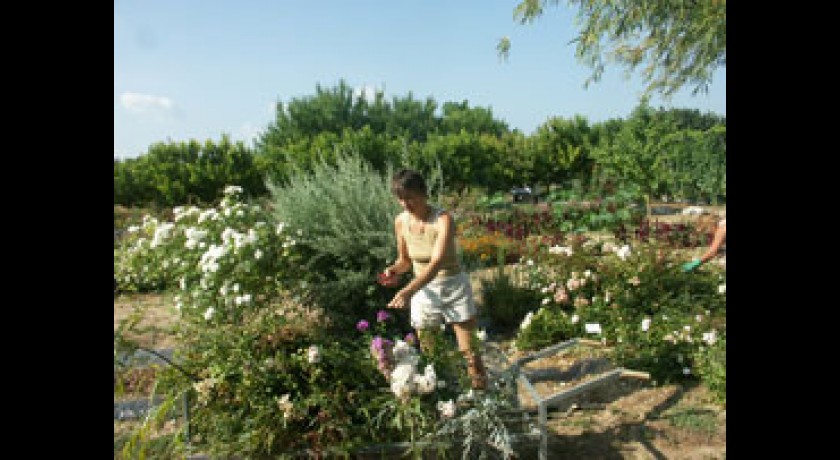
(555, 399)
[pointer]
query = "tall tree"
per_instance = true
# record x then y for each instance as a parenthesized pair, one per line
(459, 116)
(679, 42)
(561, 148)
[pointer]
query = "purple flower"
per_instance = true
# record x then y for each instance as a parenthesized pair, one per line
(362, 325)
(378, 344)
(382, 315)
(382, 350)
(411, 339)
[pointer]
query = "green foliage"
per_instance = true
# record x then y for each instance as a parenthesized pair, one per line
(345, 212)
(675, 152)
(261, 386)
(265, 396)
(480, 431)
(699, 165)
(515, 163)
(468, 159)
(679, 43)
(404, 419)
(314, 128)
(159, 255)
(258, 378)
(142, 441)
(574, 211)
(178, 173)
(140, 444)
(139, 264)
(653, 314)
(336, 109)
(711, 365)
(497, 200)
(504, 302)
(420, 415)
(560, 150)
(561, 281)
(266, 377)
(543, 329)
(692, 418)
(651, 151)
(459, 116)
(302, 154)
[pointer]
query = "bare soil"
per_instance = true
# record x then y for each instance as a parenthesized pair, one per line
(157, 313)
(630, 417)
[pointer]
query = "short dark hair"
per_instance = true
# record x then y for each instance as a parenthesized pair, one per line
(407, 181)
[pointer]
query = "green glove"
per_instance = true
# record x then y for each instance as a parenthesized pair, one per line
(691, 266)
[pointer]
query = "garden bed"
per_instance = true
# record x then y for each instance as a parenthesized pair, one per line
(270, 370)
(553, 374)
(630, 418)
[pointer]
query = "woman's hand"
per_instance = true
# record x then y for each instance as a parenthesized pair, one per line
(388, 278)
(401, 299)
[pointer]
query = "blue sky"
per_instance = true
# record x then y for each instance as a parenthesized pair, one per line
(198, 69)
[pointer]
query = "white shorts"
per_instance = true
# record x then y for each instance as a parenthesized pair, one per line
(443, 300)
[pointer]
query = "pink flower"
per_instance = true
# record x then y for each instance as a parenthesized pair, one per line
(382, 315)
(377, 344)
(382, 350)
(362, 325)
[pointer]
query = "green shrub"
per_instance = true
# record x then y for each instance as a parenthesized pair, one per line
(640, 302)
(504, 302)
(547, 327)
(345, 211)
(161, 254)
(141, 259)
(243, 357)
(711, 365)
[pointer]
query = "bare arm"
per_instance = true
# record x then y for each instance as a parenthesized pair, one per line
(445, 232)
(403, 263)
(720, 235)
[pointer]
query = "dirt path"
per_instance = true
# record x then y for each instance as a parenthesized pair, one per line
(158, 315)
(629, 418)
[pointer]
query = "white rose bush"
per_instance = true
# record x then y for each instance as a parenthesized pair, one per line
(255, 379)
(262, 379)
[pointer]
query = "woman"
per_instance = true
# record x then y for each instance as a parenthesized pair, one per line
(440, 292)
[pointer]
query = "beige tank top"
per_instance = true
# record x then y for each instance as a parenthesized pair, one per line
(420, 246)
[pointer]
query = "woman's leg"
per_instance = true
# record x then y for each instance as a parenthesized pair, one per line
(469, 346)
